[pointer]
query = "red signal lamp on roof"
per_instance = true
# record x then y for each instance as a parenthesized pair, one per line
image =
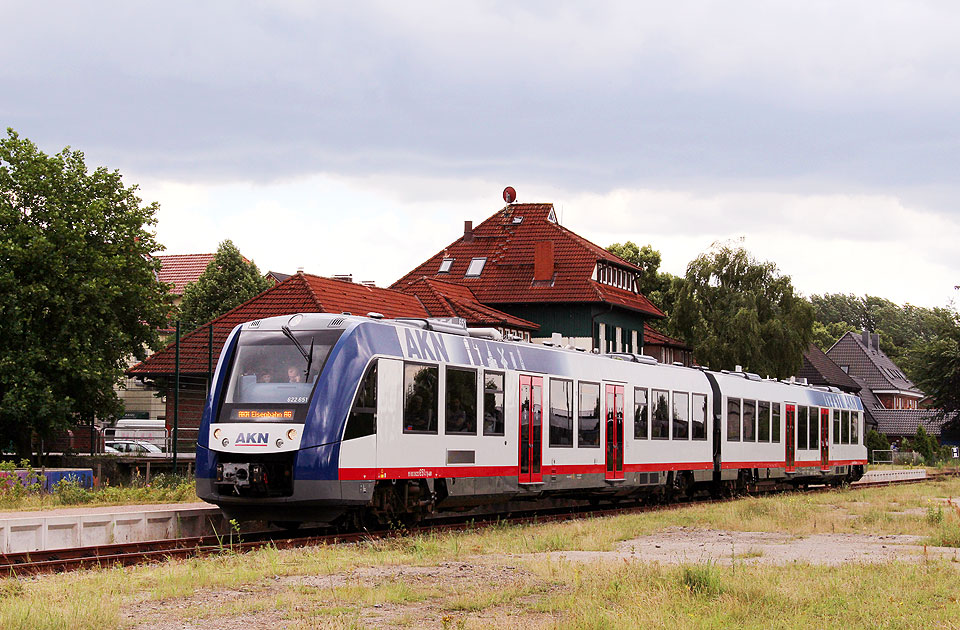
(509, 194)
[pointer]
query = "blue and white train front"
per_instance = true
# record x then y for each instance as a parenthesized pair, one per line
(269, 443)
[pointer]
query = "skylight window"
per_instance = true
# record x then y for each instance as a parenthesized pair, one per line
(476, 267)
(445, 265)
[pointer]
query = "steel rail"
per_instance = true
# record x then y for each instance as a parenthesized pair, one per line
(126, 554)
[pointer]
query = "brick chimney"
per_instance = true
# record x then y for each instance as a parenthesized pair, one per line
(543, 261)
(468, 231)
(875, 338)
(865, 338)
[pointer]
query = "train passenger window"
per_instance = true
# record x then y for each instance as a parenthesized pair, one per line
(763, 421)
(845, 428)
(362, 420)
(814, 426)
(836, 425)
(641, 414)
(855, 427)
(749, 421)
(561, 412)
(660, 425)
(775, 423)
(588, 432)
(681, 416)
(801, 428)
(492, 403)
(461, 402)
(699, 413)
(421, 399)
(733, 419)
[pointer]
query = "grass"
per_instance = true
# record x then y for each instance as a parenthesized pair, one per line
(162, 489)
(415, 582)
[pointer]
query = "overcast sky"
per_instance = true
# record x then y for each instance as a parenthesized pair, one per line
(357, 137)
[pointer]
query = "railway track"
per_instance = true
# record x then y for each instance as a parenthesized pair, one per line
(126, 554)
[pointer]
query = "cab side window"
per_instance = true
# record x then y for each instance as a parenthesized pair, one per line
(363, 415)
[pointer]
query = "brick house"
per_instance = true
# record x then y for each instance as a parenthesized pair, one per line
(521, 261)
(889, 397)
(299, 293)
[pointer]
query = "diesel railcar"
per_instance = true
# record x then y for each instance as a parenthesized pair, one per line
(325, 418)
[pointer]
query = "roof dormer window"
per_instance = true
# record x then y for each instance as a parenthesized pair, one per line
(475, 268)
(617, 277)
(445, 265)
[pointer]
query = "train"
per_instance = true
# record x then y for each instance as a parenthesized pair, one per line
(333, 419)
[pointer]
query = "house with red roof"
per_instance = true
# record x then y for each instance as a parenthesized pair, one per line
(521, 261)
(302, 293)
(180, 270)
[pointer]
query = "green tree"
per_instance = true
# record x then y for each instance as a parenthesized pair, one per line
(735, 310)
(924, 444)
(78, 290)
(876, 442)
(228, 281)
(935, 365)
(899, 327)
(659, 287)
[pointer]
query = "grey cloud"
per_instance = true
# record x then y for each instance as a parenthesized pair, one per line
(545, 92)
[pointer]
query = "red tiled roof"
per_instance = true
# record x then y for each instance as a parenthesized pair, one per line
(445, 299)
(304, 293)
(182, 269)
(301, 293)
(653, 337)
(508, 274)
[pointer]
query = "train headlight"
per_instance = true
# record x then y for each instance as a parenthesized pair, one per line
(279, 442)
(225, 442)
(217, 433)
(291, 434)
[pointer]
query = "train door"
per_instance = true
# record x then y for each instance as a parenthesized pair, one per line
(531, 428)
(614, 441)
(791, 438)
(824, 439)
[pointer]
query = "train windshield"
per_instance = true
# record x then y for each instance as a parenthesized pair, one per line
(273, 374)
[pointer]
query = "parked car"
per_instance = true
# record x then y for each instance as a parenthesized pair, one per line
(135, 447)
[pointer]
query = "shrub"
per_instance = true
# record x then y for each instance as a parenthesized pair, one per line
(69, 492)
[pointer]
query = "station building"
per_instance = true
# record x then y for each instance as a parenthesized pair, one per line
(523, 262)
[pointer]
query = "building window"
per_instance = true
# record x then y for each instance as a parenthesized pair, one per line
(492, 403)
(461, 401)
(561, 413)
(588, 432)
(445, 265)
(420, 398)
(475, 268)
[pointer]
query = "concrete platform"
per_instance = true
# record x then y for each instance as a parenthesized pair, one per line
(873, 476)
(85, 527)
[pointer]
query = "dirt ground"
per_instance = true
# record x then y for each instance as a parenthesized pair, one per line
(671, 546)
(681, 545)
